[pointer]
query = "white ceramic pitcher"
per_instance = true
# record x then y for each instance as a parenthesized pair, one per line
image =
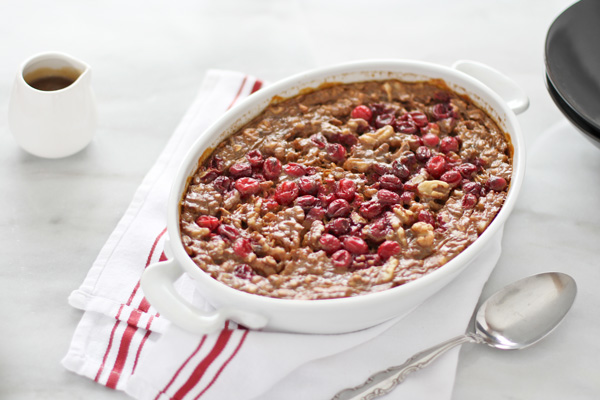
(53, 123)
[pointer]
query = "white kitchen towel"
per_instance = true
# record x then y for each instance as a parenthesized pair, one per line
(242, 364)
(122, 343)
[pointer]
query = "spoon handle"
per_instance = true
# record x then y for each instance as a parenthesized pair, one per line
(383, 382)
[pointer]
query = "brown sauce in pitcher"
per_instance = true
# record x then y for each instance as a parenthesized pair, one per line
(48, 79)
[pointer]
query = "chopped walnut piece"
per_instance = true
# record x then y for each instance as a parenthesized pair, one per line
(436, 190)
(375, 139)
(424, 234)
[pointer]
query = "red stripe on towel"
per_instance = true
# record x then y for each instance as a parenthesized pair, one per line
(239, 92)
(112, 333)
(201, 368)
(224, 365)
(257, 85)
(130, 330)
(181, 368)
(110, 341)
(141, 346)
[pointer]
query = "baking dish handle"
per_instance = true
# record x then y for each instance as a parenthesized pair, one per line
(511, 93)
(158, 284)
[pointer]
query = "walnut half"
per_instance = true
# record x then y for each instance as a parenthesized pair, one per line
(434, 190)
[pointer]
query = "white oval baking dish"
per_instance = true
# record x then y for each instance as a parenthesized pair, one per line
(489, 89)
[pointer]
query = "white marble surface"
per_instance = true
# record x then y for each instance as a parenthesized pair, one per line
(148, 59)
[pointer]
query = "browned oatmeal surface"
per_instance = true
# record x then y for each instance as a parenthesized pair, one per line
(350, 189)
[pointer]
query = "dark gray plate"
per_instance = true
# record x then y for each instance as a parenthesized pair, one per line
(580, 123)
(573, 62)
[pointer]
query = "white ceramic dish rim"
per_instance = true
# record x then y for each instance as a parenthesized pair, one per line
(407, 70)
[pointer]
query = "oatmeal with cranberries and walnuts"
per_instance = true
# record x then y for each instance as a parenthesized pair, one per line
(347, 190)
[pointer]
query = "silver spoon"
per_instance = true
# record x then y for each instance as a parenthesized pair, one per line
(515, 317)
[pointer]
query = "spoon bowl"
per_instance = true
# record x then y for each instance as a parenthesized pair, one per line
(515, 317)
(525, 311)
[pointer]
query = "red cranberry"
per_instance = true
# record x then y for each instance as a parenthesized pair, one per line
(441, 110)
(381, 108)
(326, 199)
(430, 140)
(222, 184)
(448, 144)
(216, 162)
(346, 189)
(316, 214)
(451, 177)
(467, 170)
(419, 118)
(240, 169)
(372, 178)
(378, 230)
(400, 169)
(255, 158)
(473, 188)
(328, 186)
(208, 221)
(423, 153)
(415, 141)
(336, 152)
(356, 245)
(391, 182)
(407, 197)
(384, 119)
(338, 208)
(480, 162)
(388, 249)
(319, 140)
(381, 168)
(363, 112)
(247, 186)
(407, 127)
(387, 197)
(306, 202)
(341, 259)
(339, 226)
(371, 209)
(269, 205)
(469, 200)
(294, 169)
(210, 175)
(243, 271)
(356, 230)
(307, 186)
(286, 192)
(427, 217)
(496, 183)
(410, 186)
(349, 139)
(228, 232)
(330, 243)
(271, 168)
(408, 158)
(242, 247)
(358, 200)
(436, 166)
